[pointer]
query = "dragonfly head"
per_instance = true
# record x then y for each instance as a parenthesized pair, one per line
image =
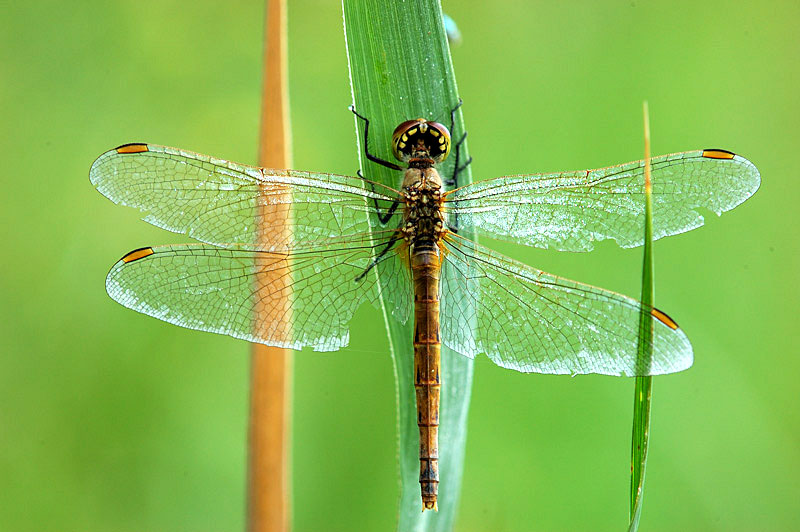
(422, 140)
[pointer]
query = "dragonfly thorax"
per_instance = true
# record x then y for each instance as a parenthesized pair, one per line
(423, 220)
(421, 143)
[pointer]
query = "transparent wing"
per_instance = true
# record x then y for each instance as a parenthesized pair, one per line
(570, 210)
(532, 321)
(219, 202)
(305, 297)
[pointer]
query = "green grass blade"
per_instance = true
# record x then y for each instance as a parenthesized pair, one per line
(400, 68)
(644, 385)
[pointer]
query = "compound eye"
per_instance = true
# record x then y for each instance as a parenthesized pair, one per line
(401, 147)
(439, 145)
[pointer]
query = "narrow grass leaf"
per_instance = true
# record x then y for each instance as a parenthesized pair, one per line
(644, 385)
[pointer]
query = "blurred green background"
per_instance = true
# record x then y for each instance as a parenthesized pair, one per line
(111, 420)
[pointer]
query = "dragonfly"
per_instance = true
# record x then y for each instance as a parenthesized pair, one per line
(296, 281)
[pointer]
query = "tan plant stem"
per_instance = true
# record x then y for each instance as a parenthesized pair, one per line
(271, 368)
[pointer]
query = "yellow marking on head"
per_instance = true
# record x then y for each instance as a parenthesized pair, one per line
(411, 132)
(663, 318)
(137, 254)
(718, 154)
(132, 148)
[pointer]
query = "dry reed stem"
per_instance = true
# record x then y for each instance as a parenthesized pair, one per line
(271, 368)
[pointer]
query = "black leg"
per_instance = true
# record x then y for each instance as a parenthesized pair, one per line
(457, 168)
(371, 157)
(453, 114)
(383, 218)
(389, 245)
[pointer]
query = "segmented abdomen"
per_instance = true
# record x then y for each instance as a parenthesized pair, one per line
(425, 268)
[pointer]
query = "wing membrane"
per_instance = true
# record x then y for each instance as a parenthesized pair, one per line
(305, 297)
(219, 202)
(568, 211)
(532, 321)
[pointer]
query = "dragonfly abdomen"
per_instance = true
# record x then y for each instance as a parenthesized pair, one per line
(426, 267)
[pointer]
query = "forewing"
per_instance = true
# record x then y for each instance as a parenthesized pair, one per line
(569, 211)
(221, 202)
(532, 321)
(295, 299)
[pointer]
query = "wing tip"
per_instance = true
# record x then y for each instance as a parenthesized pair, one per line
(751, 173)
(96, 173)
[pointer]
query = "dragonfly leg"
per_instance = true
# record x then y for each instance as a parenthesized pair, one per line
(389, 245)
(382, 218)
(453, 114)
(373, 158)
(453, 181)
(458, 168)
